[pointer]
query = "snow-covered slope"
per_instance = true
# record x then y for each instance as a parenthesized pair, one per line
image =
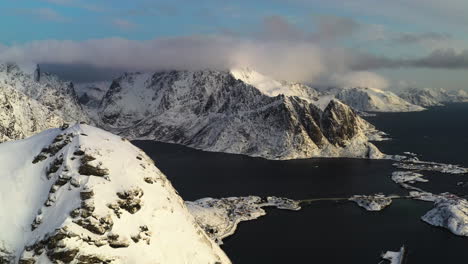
(83, 195)
(373, 100)
(21, 116)
(91, 94)
(433, 97)
(212, 110)
(58, 96)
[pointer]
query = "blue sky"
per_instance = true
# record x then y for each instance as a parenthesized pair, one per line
(425, 36)
(140, 19)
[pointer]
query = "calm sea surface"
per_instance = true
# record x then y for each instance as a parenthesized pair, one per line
(333, 232)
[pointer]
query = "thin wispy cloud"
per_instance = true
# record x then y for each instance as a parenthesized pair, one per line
(77, 4)
(446, 59)
(408, 38)
(421, 12)
(123, 24)
(43, 14)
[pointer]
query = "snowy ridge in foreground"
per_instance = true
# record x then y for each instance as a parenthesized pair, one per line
(83, 195)
(220, 217)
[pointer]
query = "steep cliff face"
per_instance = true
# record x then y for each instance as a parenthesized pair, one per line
(58, 96)
(214, 111)
(21, 116)
(340, 123)
(92, 198)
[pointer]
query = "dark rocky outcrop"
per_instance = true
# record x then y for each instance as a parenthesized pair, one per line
(57, 144)
(128, 200)
(339, 123)
(90, 170)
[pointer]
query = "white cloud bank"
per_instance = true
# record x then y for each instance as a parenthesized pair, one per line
(298, 61)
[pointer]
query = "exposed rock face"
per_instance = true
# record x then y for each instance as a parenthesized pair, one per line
(75, 217)
(214, 111)
(433, 97)
(340, 123)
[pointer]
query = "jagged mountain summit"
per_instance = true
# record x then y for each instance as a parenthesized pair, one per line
(47, 89)
(214, 111)
(433, 97)
(92, 198)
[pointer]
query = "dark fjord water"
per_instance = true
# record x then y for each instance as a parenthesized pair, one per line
(332, 232)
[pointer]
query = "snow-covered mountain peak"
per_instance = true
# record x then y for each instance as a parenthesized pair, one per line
(212, 110)
(92, 198)
(359, 98)
(22, 116)
(47, 89)
(272, 87)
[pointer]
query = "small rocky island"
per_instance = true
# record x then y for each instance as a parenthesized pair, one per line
(220, 217)
(375, 202)
(395, 257)
(450, 212)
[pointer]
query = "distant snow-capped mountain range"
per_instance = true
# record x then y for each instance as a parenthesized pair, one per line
(433, 97)
(238, 111)
(359, 98)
